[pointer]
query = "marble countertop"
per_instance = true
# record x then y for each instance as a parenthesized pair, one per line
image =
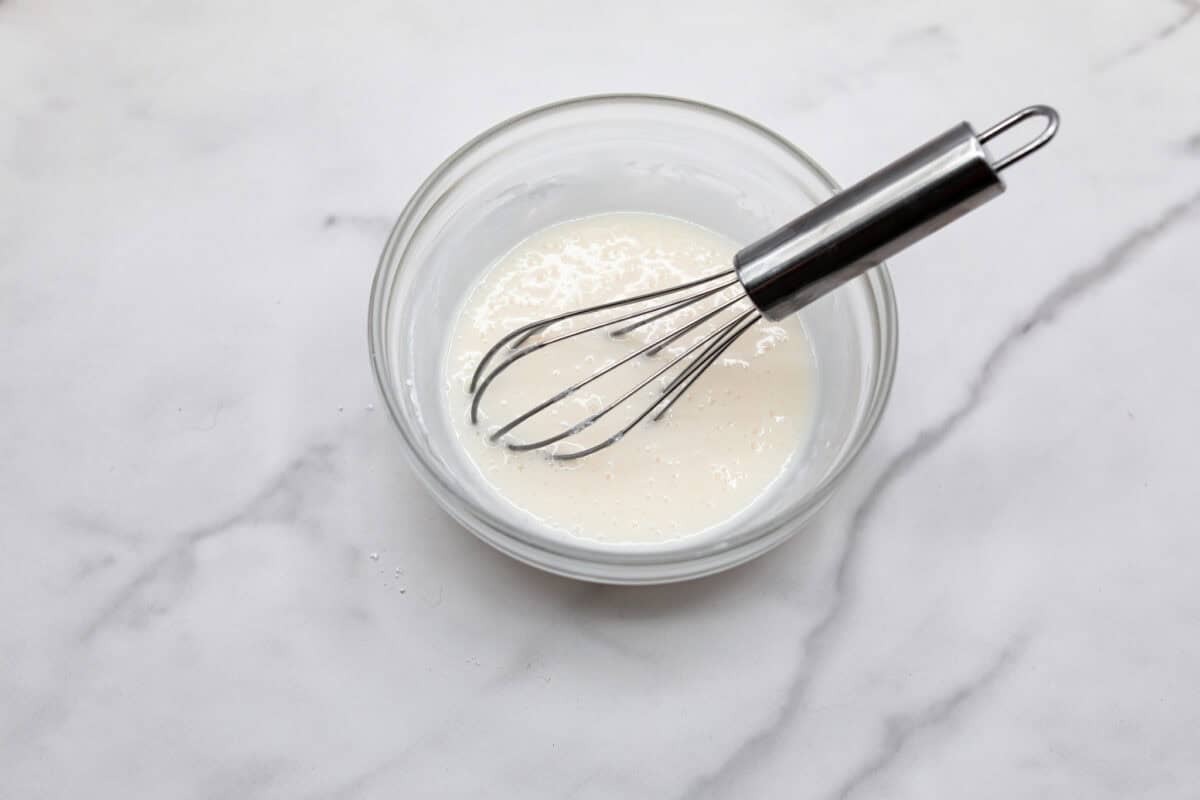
(221, 580)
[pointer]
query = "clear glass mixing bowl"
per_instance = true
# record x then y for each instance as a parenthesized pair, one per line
(594, 155)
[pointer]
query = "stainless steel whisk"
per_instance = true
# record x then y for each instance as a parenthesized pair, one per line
(781, 273)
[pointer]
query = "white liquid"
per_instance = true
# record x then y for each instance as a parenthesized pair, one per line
(716, 451)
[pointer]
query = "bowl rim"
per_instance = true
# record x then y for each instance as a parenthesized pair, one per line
(591, 560)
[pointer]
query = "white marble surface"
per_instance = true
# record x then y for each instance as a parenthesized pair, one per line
(222, 581)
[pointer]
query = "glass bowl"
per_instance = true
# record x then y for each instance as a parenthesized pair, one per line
(602, 154)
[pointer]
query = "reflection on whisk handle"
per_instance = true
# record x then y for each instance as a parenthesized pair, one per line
(879, 216)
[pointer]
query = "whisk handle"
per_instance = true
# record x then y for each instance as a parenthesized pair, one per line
(880, 215)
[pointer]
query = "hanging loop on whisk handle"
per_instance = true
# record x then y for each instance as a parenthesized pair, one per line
(880, 215)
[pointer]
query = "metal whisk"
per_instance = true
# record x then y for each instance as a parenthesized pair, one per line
(779, 274)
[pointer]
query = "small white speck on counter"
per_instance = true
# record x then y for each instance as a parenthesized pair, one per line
(374, 556)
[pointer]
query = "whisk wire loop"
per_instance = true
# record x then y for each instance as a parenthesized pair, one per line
(694, 359)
